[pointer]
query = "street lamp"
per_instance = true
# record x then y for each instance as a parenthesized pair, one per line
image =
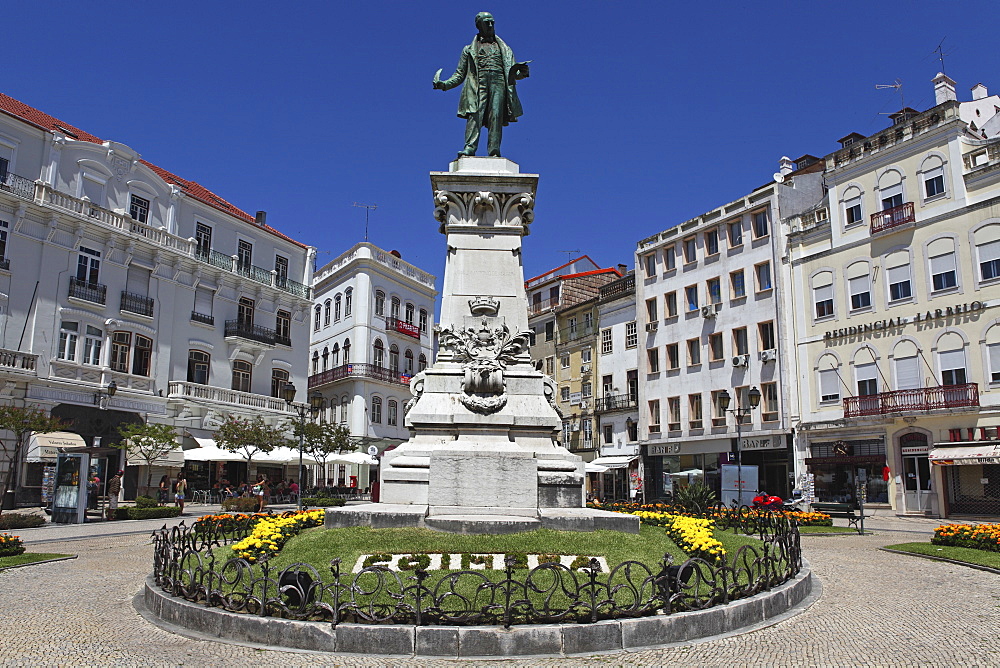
(316, 404)
(740, 411)
(103, 397)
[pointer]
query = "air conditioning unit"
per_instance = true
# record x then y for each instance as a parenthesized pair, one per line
(707, 311)
(651, 326)
(768, 355)
(575, 427)
(741, 360)
(583, 405)
(584, 368)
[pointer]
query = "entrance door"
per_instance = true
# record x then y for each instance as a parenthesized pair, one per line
(916, 483)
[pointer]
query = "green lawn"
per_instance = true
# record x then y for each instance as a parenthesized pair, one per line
(28, 558)
(966, 554)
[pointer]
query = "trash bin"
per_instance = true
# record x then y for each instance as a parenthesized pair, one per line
(8, 501)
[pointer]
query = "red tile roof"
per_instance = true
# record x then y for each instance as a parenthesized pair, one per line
(40, 119)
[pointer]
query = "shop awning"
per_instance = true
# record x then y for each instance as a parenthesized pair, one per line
(615, 461)
(591, 467)
(173, 459)
(984, 453)
(211, 453)
(45, 447)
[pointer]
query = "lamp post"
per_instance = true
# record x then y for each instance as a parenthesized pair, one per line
(316, 403)
(103, 397)
(740, 411)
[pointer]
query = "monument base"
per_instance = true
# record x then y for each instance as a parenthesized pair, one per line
(475, 521)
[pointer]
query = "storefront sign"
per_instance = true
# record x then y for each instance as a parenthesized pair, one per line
(915, 449)
(895, 323)
(664, 449)
(863, 459)
(762, 443)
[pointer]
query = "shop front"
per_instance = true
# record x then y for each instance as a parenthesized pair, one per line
(971, 476)
(618, 479)
(839, 467)
(671, 467)
(772, 455)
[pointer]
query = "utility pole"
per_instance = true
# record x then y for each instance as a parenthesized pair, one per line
(368, 208)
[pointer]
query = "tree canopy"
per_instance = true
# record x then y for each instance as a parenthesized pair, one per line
(249, 436)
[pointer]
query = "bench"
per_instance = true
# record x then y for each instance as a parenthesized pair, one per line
(841, 510)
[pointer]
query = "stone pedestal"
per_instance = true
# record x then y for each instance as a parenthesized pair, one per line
(485, 455)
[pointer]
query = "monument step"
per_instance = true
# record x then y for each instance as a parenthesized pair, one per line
(482, 524)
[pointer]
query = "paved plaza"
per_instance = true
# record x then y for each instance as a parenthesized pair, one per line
(875, 609)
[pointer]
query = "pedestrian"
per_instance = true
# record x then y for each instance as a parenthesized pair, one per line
(260, 491)
(164, 488)
(180, 487)
(114, 489)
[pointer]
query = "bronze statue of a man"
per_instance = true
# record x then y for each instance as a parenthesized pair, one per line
(489, 95)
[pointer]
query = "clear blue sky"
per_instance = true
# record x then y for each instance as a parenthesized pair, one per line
(638, 116)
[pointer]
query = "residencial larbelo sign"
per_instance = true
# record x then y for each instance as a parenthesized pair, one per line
(894, 323)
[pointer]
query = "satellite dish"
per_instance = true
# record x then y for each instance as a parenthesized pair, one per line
(779, 177)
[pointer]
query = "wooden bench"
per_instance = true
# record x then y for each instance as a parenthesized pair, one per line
(841, 510)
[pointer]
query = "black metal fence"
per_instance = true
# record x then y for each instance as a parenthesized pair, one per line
(185, 565)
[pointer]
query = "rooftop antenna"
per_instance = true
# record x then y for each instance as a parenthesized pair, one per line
(368, 209)
(941, 54)
(569, 254)
(898, 85)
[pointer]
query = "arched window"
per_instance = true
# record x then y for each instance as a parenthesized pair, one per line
(829, 379)
(987, 240)
(326, 358)
(347, 351)
(409, 313)
(326, 313)
(336, 308)
(242, 375)
(853, 211)
(315, 361)
(890, 189)
(906, 366)
(394, 358)
(859, 286)
(336, 355)
(198, 366)
(422, 362)
(897, 276)
(379, 302)
(423, 321)
(943, 266)
(394, 308)
(317, 316)
(866, 372)
(932, 175)
(378, 353)
(393, 410)
(822, 289)
(951, 359)
(278, 379)
(408, 363)
(348, 298)
(376, 416)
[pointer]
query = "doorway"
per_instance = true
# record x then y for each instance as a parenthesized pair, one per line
(916, 473)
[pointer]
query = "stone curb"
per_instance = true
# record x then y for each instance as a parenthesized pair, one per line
(535, 640)
(35, 563)
(978, 567)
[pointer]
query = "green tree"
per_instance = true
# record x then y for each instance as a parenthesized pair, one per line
(247, 437)
(22, 422)
(147, 442)
(322, 440)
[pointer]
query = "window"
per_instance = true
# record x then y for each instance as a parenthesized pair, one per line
(88, 266)
(378, 353)
(952, 367)
(943, 272)
(669, 259)
(861, 296)
(335, 355)
(326, 358)
(907, 374)
(92, 345)
(3, 238)
(987, 240)
(421, 362)
(244, 256)
(408, 362)
(829, 385)
(715, 290)
(670, 304)
(347, 351)
(608, 434)
(735, 233)
(898, 279)
(694, 411)
(673, 413)
(934, 182)
(143, 355)
(198, 367)
(550, 330)
(649, 261)
(606, 346)
(588, 322)
(651, 314)
(348, 298)
(394, 308)
(327, 312)
(715, 348)
(203, 239)
(694, 352)
(607, 385)
(588, 432)
(759, 224)
(690, 250)
(564, 393)
(712, 241)
(279, 377)
(394, 358)
(718, 415)
(203, 300)
(586, 355)
(566, 433)
(994, 355)
(653, 357)
(315, 362)
(654, 415)
(892, 197)
(376, 410)
(742, 398)
(391, 418)
(867, 377)
(740, 346)
(852, 211)
(281, 270)
(737, 286)
(379, 302)
(245, 311)
(337, 302)
(564, 360)
(763, 273)
(121, 344)
(673, 356)
(423, 321)
(586, 390)
(572, 327)
(632, 334)
(317, 316)
(344, 403)
(823, 294)
(138, 208)
(691, 297)
(408, 313)
(769, 402)
(765, 334)
(550, 366)
(242, 374)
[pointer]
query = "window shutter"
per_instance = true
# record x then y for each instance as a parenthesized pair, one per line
(865, 371)
(952, 359)
(859, 285)
(943, 263)
(137, 280)
(898, 274)
(994, 349)
(908, 373)
(829, 384)
(203, 301)
(989, 252)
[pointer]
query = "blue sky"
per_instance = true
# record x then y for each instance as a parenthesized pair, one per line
(638, 116)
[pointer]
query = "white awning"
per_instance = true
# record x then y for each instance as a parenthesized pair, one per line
(172, 459)
(211, 453)
(354, 458)
(615, 461)
(591, 467)
(283, 456)
(45, 447)
(983, 453)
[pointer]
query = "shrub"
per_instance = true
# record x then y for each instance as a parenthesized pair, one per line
(323, 502)
(129, 513)
(240, 504)
(10, 546)
(145, 502)
(20, 521)
(976, 536)
(696, 498)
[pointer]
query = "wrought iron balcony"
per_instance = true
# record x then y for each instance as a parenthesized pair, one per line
(921, 399)
(17, 185)
(358, 371)
(623, 286)
(403, 327)
(202, 318)
(892, 218)
(250, 332)
(254, 273)
(615, 402)
(292, 287)
(214, 258)
(134, 303)
(283, 340)
(90, 292)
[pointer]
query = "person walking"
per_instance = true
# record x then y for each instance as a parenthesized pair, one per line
(114, 489)
(180, 488)
(163, 490)
(260, 491)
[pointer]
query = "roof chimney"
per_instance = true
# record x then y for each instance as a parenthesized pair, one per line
(786, 166)
(622, 269)
(260, 219)
(979, 92)
(944, 89)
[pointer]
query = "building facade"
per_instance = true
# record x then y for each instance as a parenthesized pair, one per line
(898, 346)
(115, 270)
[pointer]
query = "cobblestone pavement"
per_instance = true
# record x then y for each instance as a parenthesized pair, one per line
(876, 609)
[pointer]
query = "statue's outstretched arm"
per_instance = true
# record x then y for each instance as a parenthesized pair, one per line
(460, 72)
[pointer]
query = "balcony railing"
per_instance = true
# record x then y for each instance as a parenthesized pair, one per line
(358, 371)
(222, 395)
(534, 308)
(5, 263)
(573, 333)
(293, 287)
(922, 399)
(403, 327)
(615, 402)
(894, 217)
(623, 286)
(134, 303)
(90, 292)
(214, 258)
(250, 331)
(13, 359)
(202, 318)
(283, 340)
(254, 273)
(17, 185)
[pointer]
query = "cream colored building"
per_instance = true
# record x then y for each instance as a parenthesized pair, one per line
(895, 284)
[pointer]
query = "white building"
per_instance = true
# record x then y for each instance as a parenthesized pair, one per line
(710, 295)
(372, 330)
(116, 270)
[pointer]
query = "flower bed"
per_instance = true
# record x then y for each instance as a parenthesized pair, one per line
(811, 519)
(10, 546)
(976, 536)
(271, 532)
(691, 534)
